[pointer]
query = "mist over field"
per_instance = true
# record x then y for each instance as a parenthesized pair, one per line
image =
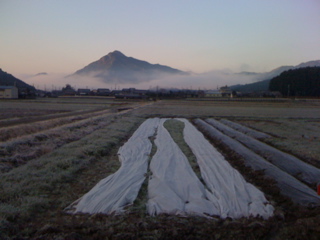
(208, 80)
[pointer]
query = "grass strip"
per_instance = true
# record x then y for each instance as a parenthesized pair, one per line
(175, 128)
(139, 205)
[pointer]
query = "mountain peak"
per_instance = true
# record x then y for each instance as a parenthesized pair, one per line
(116, 53)
(116, 67)
(112, 55)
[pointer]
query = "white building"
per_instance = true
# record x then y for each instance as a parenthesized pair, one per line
(8, 92)
(222, 92)
(212, 93)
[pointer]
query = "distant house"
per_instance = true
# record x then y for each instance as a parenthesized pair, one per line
(141, 92)
(103, 92)
(68, 90)
(212, 93)
(216, 93)
(10, 92)
(226, 91)
(131, 93)
(128, 90)
(83, 91)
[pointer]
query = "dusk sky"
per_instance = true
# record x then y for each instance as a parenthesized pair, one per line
(60, 37)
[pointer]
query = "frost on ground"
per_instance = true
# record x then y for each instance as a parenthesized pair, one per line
(173, 186)
(246, 130)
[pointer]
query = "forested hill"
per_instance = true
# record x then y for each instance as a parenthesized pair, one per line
(7, 79)
(298, 82)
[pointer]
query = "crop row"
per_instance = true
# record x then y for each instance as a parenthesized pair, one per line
(18, 151)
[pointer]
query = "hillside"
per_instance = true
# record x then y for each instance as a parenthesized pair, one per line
(263, 79)
(118, 68)
(252, 87)
(7, 79)
(298, 82)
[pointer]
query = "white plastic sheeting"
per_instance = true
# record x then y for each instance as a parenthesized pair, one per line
(288, 163)
(120, 189)
(234, 196)
(288, 185)
(173, 186)
(248, 131)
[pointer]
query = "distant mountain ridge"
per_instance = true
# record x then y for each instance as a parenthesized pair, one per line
(118, 68)
(263, 79)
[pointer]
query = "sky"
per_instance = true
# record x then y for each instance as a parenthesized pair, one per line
(59, 37)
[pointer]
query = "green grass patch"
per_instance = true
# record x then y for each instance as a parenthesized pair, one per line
(139, 205)
(175, 128)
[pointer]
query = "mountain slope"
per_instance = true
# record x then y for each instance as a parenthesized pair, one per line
(263, 79)
(118, 68)
(7, 79)
(315, 63)
(252, 87)
(304, 81)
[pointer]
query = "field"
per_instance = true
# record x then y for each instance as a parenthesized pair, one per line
(52, 151)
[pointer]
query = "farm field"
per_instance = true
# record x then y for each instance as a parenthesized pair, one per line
(68, 145)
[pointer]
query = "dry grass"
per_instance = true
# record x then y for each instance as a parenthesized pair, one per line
(15, 113)
(22, 143)
(193, 109)
(55, 104)
(20, 150)
(25, 129)
(28, 111)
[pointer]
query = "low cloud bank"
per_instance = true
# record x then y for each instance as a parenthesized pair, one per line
(209, 80)
(56, 81)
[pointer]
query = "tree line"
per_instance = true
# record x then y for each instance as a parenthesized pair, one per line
(298, 82)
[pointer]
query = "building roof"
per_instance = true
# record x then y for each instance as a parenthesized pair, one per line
(7, 87)
(212, 92)
(103, 89)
